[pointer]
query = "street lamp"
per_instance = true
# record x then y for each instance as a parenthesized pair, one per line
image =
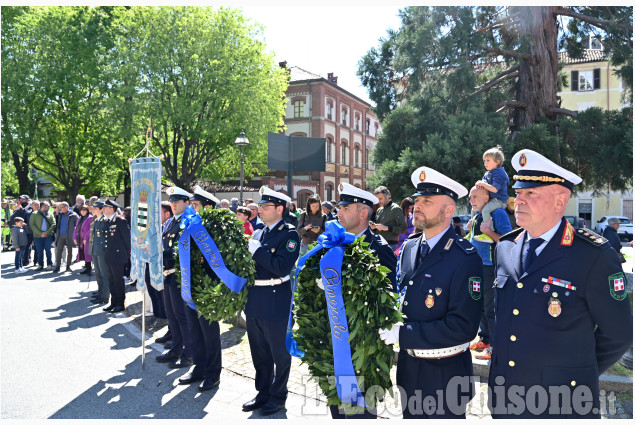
(241, 141)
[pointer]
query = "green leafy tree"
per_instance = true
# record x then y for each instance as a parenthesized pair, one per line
(202, 76)
(496, 68)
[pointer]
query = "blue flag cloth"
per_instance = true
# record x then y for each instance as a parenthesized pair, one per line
(334, 239)
(145, 231)
(192, 225)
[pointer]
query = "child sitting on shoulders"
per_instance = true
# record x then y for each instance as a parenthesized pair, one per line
(495, 181)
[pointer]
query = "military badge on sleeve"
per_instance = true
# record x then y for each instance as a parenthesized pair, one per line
(474, 286)
(617, 285)
(291, 245)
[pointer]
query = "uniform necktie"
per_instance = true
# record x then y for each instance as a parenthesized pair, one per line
(425, 248)
(530, 252)
(264, 233)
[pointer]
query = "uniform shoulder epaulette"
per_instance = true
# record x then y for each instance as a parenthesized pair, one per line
(380, 239)
(462, 243)
(591, 237)
(512, 235)
(415, 235)
(288, 226)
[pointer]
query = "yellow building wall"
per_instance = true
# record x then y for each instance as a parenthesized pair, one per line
(599, 206)
(607, 97)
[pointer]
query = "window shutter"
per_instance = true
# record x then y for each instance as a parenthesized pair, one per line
(596, 79)
(574, 80)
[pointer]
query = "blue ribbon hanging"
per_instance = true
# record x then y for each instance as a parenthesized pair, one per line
(334, 239)
(192, 225)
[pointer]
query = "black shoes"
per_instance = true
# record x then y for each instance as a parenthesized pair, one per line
(253, 404)
(168, 345)
(109, 308)
(117, 309)
(208, 384)
(190, 378)
(56, 270)
(68, 269)
(270, 408)
(165, 338)
(167, 357)
(98, 301)
(183, 362)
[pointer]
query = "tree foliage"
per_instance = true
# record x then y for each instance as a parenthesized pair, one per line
(455, 81)
(80, 85)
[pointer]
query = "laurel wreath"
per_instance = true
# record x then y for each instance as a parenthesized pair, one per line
(213, 299)
(370, 305)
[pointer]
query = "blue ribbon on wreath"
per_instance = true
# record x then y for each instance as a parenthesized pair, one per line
(334, 239)
(192, 225)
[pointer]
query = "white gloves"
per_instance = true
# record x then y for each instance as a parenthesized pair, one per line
(390, 336)
(253, 245)
(319, 283)
(256, 234)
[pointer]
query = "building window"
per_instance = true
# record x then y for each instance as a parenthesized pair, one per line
(357, 159)
(298, 109)
(344, 116)
(330, 150)
(595, 44)
(367, 126)
(344, 150)
(585, 80)
(369, 166)
(329, 111)
(329, 191)
(357, 119)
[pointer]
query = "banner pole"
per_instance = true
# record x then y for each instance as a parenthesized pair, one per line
(143, 333)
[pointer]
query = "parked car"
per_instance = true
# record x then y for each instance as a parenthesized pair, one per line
(625, 230)
(576, 222)
(464, 219)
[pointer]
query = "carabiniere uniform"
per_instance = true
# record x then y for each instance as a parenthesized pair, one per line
(117, 246)
(267, 307)
(442, 304)
(563, 321)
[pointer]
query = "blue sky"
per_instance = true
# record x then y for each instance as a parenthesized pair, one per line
(346, 32)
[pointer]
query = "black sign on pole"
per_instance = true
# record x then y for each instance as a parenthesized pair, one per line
(293, 153)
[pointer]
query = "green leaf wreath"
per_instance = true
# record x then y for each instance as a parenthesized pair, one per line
(370, 306)
(213, 299)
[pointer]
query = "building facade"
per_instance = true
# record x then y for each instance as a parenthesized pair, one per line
(593, 83)
(318, 107)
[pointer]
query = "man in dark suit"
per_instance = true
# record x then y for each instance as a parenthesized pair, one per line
(275, 250)
(562, 310)
(205, 336)
(356, 207)
(440, 278)
(117, 246)
(180, 355)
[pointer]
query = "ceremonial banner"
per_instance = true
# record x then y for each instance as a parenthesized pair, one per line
(146, 229)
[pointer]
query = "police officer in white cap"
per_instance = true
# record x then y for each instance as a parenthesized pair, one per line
(562, 310)
(275, 250)
(180, 355)
(356, 207)
(205, 335)
(439, 275)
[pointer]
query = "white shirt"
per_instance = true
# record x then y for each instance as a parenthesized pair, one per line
(433, 240)
(547, 236)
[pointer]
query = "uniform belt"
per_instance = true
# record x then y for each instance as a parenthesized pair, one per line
(438, 353)
(271, 282)
(168, 272)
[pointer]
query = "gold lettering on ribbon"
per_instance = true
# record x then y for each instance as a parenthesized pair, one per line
(201, 238)
(332, 281)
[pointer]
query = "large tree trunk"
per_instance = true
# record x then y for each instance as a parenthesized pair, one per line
(538, 76)
(21, 164)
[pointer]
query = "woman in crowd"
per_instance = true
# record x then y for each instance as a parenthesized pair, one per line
(311, 223)
(294, 210)
(242, 214)
(81, 236)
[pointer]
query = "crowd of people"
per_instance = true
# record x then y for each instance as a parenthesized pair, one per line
(501, 281)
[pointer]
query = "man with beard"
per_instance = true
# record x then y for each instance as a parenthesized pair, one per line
(440, 277)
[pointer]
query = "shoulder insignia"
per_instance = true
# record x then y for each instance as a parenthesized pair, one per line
(513, 235)
(449, 244)
(464, 244)
(415, 235)
(282, 226)
(591, 237)
(567, 235)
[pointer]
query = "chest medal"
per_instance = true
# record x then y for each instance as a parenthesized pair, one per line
(554, 307)
(430, 301)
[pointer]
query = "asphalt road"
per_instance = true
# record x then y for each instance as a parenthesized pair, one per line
(63, 358)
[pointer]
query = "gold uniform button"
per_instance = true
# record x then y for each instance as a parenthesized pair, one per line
(405, 303)
(515, 312)
(573, 383)
(513, 337)
(512, 363)
(410, 283)
(555, 295)
(519, 285)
